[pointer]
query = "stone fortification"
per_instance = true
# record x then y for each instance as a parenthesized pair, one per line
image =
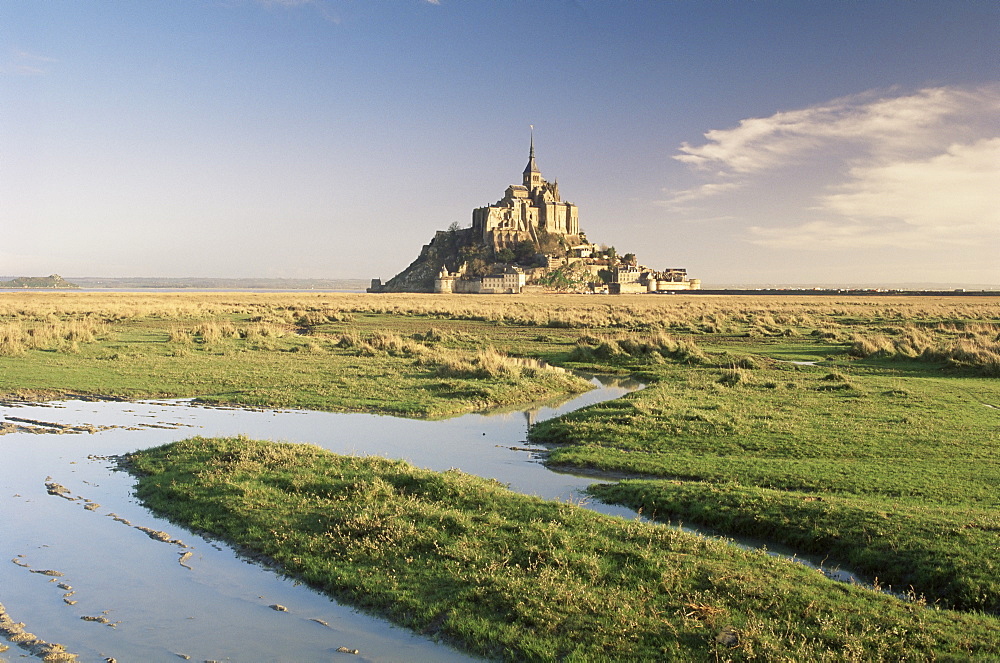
(445, 249)
(529, 238)
(527, 212)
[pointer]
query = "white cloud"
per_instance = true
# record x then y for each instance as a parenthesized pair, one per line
(679, 198)
(24, 63)
(814, 234)
(909, 171)
(950, 199)
(878, 126)
(960, 188)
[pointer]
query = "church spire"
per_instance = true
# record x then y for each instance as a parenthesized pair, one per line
(532, 176)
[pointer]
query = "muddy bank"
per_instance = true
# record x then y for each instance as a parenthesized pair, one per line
(16, 633)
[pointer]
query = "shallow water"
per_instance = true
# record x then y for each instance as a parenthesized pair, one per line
(210, 604)
(214, 606)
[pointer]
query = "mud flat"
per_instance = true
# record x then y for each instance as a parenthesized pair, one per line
(15, 632)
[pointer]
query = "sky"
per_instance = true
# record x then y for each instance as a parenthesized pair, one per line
(752, 143)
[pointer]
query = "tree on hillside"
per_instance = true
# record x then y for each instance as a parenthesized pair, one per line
(612, 255)
(476, 258)
(524, 252)
(551, 243)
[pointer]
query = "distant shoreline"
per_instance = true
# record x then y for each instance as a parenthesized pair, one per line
(218, 283)
(155, 290)
(829, 292)
(743, 292)
(188, 283)
(203, 284)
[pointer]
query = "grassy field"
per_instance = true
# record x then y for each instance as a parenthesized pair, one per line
(517, 578)
(258, 350)
(888, 462)
(864, 430)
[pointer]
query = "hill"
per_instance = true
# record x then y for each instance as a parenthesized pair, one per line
(51, 281)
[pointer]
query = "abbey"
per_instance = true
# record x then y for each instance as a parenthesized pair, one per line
(530, 240)
(527, 211)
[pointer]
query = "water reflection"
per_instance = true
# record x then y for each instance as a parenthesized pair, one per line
(213, 606)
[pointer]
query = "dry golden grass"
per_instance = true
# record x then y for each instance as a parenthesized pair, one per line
(706, 313)
(24, 334)
(446, 362)
(962, 330)
(976, 345)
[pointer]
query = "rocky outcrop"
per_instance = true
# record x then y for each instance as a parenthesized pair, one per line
(53, 281)
(449, 248)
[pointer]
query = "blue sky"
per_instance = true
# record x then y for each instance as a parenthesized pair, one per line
(751, 142)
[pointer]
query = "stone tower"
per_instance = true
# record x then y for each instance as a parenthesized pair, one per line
(532, 176)
(527, 212)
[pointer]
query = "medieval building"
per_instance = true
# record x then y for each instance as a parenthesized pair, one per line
(528, 241)
(526, 211)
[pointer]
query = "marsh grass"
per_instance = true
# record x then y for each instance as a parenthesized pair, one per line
(731, 361)
(246, 353)
(516, 578)
(858, 532)
(179, 335)
(20, 335)
(650, 347)
(694, 315)
(486, 363)
(860, 433)
(214, 331)
(903, 421)
(976, 346)
(735, 376)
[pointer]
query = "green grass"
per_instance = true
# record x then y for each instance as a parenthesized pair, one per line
(948, 552)
(884, 457)
(868, 440)
(518, 578)
(227, 359)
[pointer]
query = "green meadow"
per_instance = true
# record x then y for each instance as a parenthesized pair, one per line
(861, 430)
(888, 465)
(516, 578)
(257, 352)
